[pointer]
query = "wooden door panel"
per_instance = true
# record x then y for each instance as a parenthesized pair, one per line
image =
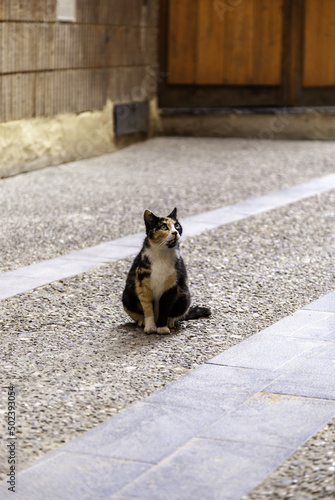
(319, 44)
(238, 26)
(268, 42)
(210, 44)
(237, 45)
(182, 41)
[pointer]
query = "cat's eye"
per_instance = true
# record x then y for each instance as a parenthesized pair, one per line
(177, 225)
(164, 227)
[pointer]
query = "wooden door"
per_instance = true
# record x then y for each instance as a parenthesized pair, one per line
(241, 46)
(223, 53)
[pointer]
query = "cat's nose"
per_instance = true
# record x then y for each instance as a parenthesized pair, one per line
(174, 233)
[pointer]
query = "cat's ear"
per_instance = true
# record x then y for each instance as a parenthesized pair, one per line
(150, 219)
(173, 214)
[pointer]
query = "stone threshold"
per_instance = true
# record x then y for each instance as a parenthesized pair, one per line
(309, 123)
(266, 110)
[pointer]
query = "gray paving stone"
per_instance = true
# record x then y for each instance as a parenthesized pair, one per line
(319, 329)
(325, 303)
(106, 252)
(69, 476)
(218, 217)
(265, 352)
(145, 432)
(306, 189)
(215, 388)
(273, 420)
(120, 496)
(42, 273)
(13, 284)
(192, 227)
(133, 240)
(55, 269)
(326, 182)
(303, 324)
(297, 323)
(293, 194)
(207, 469)
(313, 377)
(286, 196)
(254, 206)
(330, 336)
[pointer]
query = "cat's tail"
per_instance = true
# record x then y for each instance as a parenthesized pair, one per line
(196, 312)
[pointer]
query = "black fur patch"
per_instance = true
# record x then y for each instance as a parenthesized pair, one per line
(141, 275)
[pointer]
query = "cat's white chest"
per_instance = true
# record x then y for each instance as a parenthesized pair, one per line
(162, 268)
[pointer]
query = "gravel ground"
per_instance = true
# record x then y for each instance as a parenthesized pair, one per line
(68, 347)
(76, 361)
(105, 197)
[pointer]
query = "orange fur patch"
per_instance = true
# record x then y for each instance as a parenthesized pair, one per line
(144, 293)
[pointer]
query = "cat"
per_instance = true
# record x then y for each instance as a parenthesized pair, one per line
(156, 294)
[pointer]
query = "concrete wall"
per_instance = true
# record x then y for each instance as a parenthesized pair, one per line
(59, 78)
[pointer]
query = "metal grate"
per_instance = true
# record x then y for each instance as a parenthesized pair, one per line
(131, 118)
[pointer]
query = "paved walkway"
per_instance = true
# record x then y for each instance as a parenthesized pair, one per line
(216, 432)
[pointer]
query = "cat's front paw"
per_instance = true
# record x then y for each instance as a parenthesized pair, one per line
(149, 325)
(149, 329)
(163, 330)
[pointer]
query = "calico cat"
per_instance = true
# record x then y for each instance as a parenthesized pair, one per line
(156, 294)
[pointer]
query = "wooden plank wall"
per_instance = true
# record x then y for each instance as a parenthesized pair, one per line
(48, 67)
(231, 43)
